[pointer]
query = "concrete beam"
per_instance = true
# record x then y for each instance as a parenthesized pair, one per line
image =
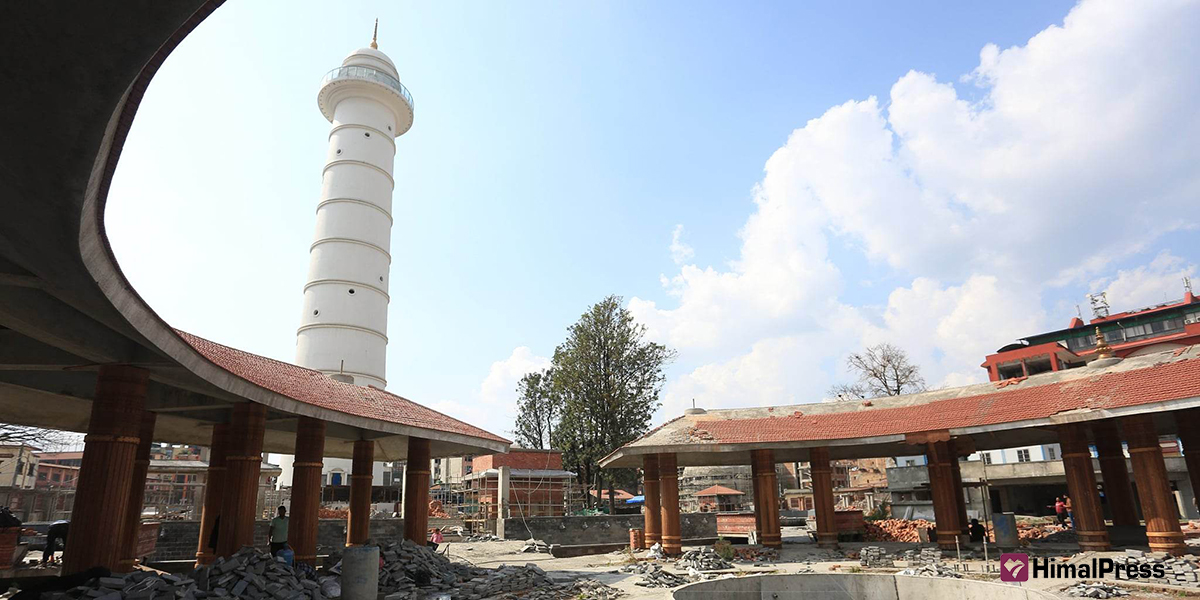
(19, 352)
(39, 316)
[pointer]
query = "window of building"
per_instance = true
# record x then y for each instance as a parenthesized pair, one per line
(987, 458)
(910, 463)
(1023, 455)
(387, 478)
(56, 477)
(1051, 453)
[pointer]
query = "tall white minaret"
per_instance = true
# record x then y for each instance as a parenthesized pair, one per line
(343, 330)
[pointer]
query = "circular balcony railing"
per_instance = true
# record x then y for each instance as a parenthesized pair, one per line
(370, 74)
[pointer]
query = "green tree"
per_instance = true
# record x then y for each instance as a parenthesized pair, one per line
(538, 410)
(605, 379)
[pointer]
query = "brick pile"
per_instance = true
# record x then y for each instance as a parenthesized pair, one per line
(895, 530)
(875, 557)
(1179, 571)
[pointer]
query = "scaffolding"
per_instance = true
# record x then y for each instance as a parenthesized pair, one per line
(531, 493)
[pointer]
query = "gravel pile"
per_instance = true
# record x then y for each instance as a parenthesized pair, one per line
(248, 574)
(705, 559)
(875, 557)
(1095, 590)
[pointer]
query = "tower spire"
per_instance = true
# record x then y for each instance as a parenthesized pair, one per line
(375, 36)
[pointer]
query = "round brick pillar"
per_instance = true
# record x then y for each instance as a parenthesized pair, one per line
(416, 492)
(106, 473)
(1154, 488)
(822, 486)
(1081, 482)
(668, 491)
(240, 506)
(766, 499)
(358, 527)
(137, 493)
(306, 489)
(214, 493)
(653, 508)
(941, 487)
(1115, 471)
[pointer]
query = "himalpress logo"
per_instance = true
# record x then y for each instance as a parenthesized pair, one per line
(1017, 567)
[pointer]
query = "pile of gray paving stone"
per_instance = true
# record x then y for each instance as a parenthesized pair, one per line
(1180, 571)
(704, 559)
(653, 576)
(249, 574)
(532, 545)
(926, 556)
(932, 570)
(412, 571)
(1095, 590)
(875, 557)
(483, 537)
(581, 589)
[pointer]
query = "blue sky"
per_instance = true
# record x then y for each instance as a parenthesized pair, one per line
(930, 174)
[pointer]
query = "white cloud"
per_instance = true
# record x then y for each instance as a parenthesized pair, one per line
(1154, 283)
(495, 404)
(681, 252)
(1085, 133)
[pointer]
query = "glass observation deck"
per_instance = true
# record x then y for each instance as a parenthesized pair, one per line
(370, 74)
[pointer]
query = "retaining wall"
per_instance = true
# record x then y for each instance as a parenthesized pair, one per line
(177, 540)
(845, 586)
(601, 529)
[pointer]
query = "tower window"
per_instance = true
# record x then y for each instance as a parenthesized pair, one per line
(389, 127)
(367, 134)
(316, 312)
(339, 151)
(381, 279)
(351, 291)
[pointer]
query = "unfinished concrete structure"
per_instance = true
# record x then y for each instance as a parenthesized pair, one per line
(1135, 400)
(81, 351)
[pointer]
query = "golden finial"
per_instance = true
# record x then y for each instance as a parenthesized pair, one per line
(375, 36)
(1103, 350)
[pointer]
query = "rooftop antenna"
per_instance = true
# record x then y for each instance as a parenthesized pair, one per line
(1187, 284)
(375, 36)
(1099, 304)
(1078, 313)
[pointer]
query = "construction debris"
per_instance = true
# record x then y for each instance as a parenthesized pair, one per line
(755, 554)
(1179, 571)
(435, 510)
(934, 570)
(483, 537)
(705, 559)
(653, 576)
(333, 513)
(926, 556)
(248, 574)
(875, 557)
(412, 571)
(1095, 590)
(581, 589)
(896, 530)
(536, 546)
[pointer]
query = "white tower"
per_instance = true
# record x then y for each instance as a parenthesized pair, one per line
(343, 329)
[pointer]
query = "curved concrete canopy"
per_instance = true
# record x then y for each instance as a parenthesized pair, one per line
(75, 74)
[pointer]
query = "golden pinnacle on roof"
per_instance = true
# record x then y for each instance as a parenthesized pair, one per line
(1103, 350)
(375, 36)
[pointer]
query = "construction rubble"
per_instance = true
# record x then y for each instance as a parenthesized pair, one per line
(412, 571)
(923, 557)
(536, 546)
(483, 537)
(755, 554)
(934, 570)
(1179, 571)
(581, 589)
(1095, 590)
(704, 559)
(248, 574)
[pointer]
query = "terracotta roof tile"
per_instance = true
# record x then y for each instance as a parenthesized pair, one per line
(317, 389)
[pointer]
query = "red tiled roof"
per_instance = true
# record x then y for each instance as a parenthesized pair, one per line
(719, 490)
(619, 495)
(316, 388)
(1161, 382)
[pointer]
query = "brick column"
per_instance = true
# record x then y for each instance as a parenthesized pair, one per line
(766, 489)
(416, 492)
(652, 505)
(137, 493)
(668, 491)
(1189, 434)
(1154, 489)
(240, 505)
(1117, 490)
(306, 489)
(755, 488)
(960, 500)
(941, 487)
(358, 527)
(214, 493)
(106, 474)
(1081, 482)
(822, 486)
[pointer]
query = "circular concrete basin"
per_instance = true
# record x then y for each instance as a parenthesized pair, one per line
(847, 586)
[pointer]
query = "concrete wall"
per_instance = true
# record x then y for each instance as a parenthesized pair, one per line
(603, 529)
(845, 586)
(177, 540)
